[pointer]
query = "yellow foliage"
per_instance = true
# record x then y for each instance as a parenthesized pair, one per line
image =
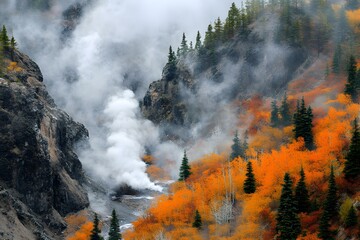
(13, 67)
(354, 18)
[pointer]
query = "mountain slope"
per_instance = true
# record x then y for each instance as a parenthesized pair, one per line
(40, 174)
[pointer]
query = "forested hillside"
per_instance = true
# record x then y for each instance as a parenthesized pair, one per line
(293, 170)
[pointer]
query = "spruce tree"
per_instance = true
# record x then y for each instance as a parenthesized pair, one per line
(171, 56)
(351, 219)
(302, 194)
(218, 31)
(324, 227)
(232, 23)
(329, 209)
(274, 118)
(184, 48)
(331, 201)
(285, 112)
(250, 182)
(197, 220)
(237, 150)
(336, 64)
(114, 233)
(184, 168)
(350, 87)
(303, 124)
(13, 45)
(4, 39)
(288, 222)
(198, 41)
(352, 163)
(95, 232)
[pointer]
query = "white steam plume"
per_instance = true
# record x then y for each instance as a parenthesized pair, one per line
(115, 40)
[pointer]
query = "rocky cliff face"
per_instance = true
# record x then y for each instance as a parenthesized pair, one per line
(40, 174)
(207, 80)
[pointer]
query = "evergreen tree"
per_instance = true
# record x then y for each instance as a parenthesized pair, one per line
(303, 124)
(351, 219)
(237, 150)
(4, 39)
(184, 48)
(285, 112)
(352, 163)
(209, 38)
(232, 23)
(274, 119)
(198, 41)
(171, 56)
(114, 233)
(329, 209)
(250, 182)
(288, 222)
(336, 64)
(95, 232)
(331, 201)
(324, 227)
(197, 220)
(218, 31)
(13, 45)
(350, 87)
(302, 194)
(245, 144)
(184, 168)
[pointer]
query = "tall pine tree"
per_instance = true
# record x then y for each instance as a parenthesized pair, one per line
(329, 209)
(95, 232)
(198, 41)
(285, 112)
(352, 163)
(288, 222)
(303, 124)
(302, 194)
(4, 39)
(114, 233)
(197, 220)
(350, 87)
(250, 182)
(274, 118)
(184, 48)
(237, 150)
(184, 168)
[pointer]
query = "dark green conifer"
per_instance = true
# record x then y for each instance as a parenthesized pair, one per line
(237, 150)
(184, 48)
(331, 202)
(302, 194)
(114, 233)
(250, 182)
(351, 219)
(288, 222)
(324, 227)
(232, 22)
(274, 118)
(171, 56)
(303, 124)
(184, 168)
(352, 163)
(197, 220)
(218, 31)
(285, 112)
(4, 39)
(198, 41)
(350, 87)
(95, 232)
(336, 64)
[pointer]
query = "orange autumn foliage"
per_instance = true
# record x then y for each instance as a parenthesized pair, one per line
(272, 152)
(354, 19)
(83, 233)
